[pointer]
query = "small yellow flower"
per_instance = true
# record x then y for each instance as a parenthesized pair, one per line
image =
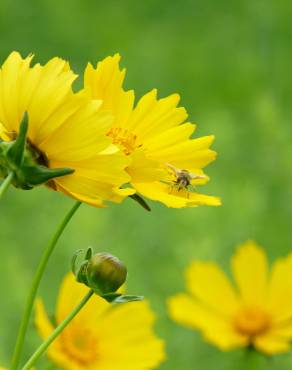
(102, 336)
(65, 129)
(258, 312)
(166, 162)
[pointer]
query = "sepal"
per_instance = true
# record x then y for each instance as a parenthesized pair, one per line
(121, 298)
(141, 201)
(15, 153)
(19, 156)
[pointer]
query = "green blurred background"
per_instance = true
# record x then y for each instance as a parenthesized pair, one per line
(231, 62)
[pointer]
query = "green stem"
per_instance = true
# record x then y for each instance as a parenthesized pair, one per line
(43, 347)
(253, 360)
(5, 184)
(35, 284)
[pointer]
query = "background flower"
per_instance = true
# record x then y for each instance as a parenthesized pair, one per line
(101, 336)
(258, 313)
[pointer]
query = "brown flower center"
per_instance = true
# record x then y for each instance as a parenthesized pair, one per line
(252, 321)
(80, 345)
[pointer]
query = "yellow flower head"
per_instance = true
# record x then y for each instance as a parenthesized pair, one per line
(65, 129)
(166, 162)
(102, 336)
(257, 312)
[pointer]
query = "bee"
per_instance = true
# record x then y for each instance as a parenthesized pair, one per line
(184, 177)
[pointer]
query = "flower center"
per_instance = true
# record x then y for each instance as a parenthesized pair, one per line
(38, 155)
(123, 138)
(252, 321)
(80, 345)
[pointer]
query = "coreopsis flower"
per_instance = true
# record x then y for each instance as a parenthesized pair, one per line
(256, 312)
(102, 336)
(166, 163)
(65, 130)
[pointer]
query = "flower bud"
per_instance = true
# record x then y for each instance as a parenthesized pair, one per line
(105, 273)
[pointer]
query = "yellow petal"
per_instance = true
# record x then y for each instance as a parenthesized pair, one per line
(280, 287)
(188, 154)
(128, 340)
(152, 116)
(208, 283)
(89, 188)
(214, 327)
(42, 322)
(70, 294)
(271, 344)
(51, 90)
(143, 169)
(96, 202)
(106, 83)
(9, 87)
(169, 138)
(102, 168)
(73, 141)
(250, 270)
(174, 198)
(39, 90)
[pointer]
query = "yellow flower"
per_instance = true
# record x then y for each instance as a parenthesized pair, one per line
(102, 336)
(258, 312)
(166, 162)
(65, 129)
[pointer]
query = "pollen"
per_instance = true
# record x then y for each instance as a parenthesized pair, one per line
(124, 138)
(252, 321)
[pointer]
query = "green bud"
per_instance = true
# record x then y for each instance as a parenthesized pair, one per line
(105, 273)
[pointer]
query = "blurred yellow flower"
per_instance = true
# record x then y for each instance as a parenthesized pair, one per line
(166, 162)
(65, 129)
(258, 312)
(102, 336)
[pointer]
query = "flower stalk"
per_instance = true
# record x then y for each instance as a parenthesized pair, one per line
(35, 284)
(5, 184)
(44, 346)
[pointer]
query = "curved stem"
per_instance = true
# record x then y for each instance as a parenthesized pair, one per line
(35, 284)
(5, 184)
(43, 347)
